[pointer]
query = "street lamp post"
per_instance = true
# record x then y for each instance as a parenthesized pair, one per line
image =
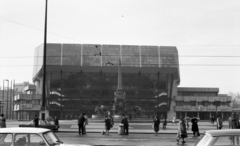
(10, 104)
(7, 98)
(1, 109)
(43, 108)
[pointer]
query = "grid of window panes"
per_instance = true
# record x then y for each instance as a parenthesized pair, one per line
(54, 54)
(106, 55)
(71, 54)
(130, 56)
(110, 55)
(149, 56)
(91, 55)
(38, 59)
(169, 56)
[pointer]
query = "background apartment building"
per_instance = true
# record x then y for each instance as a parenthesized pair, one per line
(202, 103)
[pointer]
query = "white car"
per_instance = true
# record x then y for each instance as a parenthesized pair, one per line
(29, 137)
(224, 137)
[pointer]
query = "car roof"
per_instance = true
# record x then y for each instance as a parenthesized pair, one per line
(223, 132)
(23, 130)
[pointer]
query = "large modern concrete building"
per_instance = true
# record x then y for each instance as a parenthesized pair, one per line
(81, 77)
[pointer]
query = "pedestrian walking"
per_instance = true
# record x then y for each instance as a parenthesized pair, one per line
(234, 122)
(182, 132)
(187, 122)
(156, 123)
(174, 120)
(195, 129)
(219, 122)
(56, 122)
(125, 124)
(213, 120)
(2, 121)
(130, 116)
(85, 124)
(36, 121)
(81, 120)
(108, 123)
(164, 123)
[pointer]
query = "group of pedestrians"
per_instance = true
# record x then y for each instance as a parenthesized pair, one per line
(109, 123)
(82, 122)
(183, 126)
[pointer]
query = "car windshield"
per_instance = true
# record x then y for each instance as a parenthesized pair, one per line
(51, 138)
(30, 123)
(47, 122)
(205, 140)
(44, 123)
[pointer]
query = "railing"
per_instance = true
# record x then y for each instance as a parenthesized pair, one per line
(27, 96)
(203, 98)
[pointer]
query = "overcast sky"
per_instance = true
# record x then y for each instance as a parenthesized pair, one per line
(205, 32)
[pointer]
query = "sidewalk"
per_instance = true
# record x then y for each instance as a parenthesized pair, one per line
(70, 126)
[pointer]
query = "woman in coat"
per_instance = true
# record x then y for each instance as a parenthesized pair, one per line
(108, 123)
(219, 122)
(195, 129)
(156, 123)
(164, 123)
(182, 131)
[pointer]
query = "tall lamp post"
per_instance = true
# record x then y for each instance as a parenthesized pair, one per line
(1, 108)
(43, 108)
(7, 98)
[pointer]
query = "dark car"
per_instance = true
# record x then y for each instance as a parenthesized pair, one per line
(42, 124)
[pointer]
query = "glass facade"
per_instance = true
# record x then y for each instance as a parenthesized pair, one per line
(83, 76)
(71, 93)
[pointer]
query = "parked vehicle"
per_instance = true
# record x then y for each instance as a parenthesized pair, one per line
(42, 124)
(28, 137)
(225, 137)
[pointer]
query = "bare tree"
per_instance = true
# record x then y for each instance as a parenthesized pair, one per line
(235, 99)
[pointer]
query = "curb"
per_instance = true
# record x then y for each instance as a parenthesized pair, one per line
(117, 132)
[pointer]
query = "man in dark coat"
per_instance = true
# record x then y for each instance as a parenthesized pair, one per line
(2, 121)
(56, 122)
(125, 124)
(36, 121)
(81, 121)
(195, 129)
(234, 124)
(233, 121)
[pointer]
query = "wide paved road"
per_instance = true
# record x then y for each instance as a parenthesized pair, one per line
(132, 139)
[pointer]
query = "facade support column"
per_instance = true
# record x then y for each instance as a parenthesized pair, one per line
(198, 114)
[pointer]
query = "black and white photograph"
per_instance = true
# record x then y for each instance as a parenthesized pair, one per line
(119, 72)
